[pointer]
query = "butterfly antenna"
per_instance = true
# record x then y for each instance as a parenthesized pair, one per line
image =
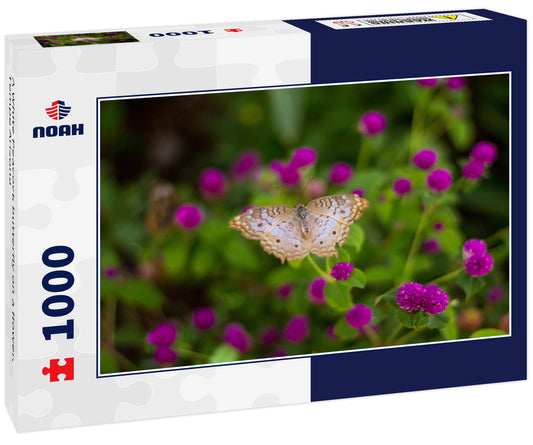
(286, 192)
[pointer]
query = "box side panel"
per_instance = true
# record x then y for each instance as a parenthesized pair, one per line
(10, 237)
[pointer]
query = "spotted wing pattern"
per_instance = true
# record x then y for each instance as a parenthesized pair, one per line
(279, 228)
(330, 218)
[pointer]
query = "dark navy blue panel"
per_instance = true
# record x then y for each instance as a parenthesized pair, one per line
(351, 55)
(410, 51)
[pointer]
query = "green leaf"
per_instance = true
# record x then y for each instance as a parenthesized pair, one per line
(344, 331)
(344, 256)
(338, 296)
(224, 353)
(487, 332)
(471, 285)
(295, 264)
(412, 320)
(140, 293)
(175, 258)
(391, 295)
(450, 331)
(108, 363)
(356, 279)
(437, 321)
(202, 261)
(356, 238)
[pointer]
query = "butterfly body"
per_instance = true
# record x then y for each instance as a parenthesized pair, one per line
(293, 233)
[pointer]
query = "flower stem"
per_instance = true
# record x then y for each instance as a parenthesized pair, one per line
(319, 270)
(415, 245)
(364, 153)
(448, 276)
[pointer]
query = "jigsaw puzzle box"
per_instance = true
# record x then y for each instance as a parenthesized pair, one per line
(213, 217)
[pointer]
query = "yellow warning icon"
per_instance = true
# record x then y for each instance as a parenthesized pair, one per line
(446, 17)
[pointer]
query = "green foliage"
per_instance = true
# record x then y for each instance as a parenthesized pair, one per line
(150, 166)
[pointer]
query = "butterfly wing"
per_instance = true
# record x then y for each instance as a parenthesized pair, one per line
(330, 218)
(278, 229)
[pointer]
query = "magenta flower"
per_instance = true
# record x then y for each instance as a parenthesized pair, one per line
(331, 332)
(340, 173)
(303, 157)
(280, 352)
(297, 328)
(165, 356)
(213, 183)
(289, 175)
(434, 300)
(425, 159)
(204, 318)
(474, 247)
(478, 265)
(428, 83)
(402, 186)
(111, 272)
(473, 170)
(342, 271)
(284, 291)
(359, 192)
(162, 335)
(189, 216)
(431, 245)
(359, 316)
(269, 336)
(438, 226)
(495, 294)
(245, 165)
(456, 83)
(315, 291)
(245, 209)
(484, 152)
(409, 296)
(235, 335)
(372, 123)
(439, 180)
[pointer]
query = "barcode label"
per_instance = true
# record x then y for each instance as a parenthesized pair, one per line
(401, 20)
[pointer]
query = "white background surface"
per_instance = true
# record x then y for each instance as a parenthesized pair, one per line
(487, 414)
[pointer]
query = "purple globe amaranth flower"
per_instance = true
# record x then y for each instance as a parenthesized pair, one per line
(434, 300)
(162, 335)
(303, 157)
(372, 123)
(285, 290)
(331, 332)
(402, 186)
(439, 180)
(280, 352)
(428, 83)
(340, 173)
(290, 176)
(359, 316)
(213, 183)
(316, 290)
(359, 192)
(438, 226)
(245, 165)
(474, 247)
(235, 335)
(342, 271)
(495, 294)
(456, 83)
(204, 318)
(165, 356)
(409, 296)
(478, 265)
(189, 216)
(473, 170)
(297, 328)
(111, 272)
(269, 336)
(484, 152)
(431, 245)
(470, 319)
(425, 158)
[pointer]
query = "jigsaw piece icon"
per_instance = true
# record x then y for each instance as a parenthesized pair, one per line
(55, 369)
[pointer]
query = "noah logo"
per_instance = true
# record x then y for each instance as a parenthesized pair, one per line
(58, 111)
